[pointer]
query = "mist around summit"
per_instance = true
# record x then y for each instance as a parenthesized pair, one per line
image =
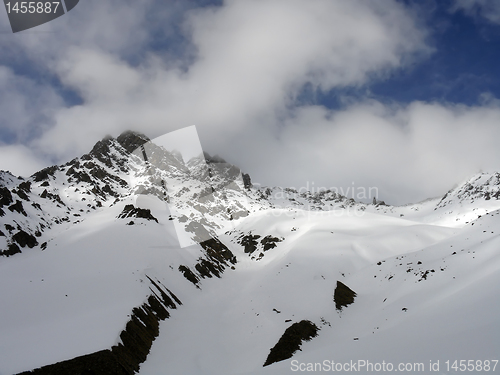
(133, 258)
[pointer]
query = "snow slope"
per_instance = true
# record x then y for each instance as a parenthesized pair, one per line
(426, 276)
(452, 312)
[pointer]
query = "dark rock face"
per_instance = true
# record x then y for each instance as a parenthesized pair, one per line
(5, 197)
(247, 182)
(45, 173)
(79, 176)
(99, 363)
(130, 140)
(137, 338)
(217, 251)
(21, 194)
(213, 159)
(343, 296)
(25, 186)
(95, 179)
(101, 151)
(249, 242)
(291, 340)
(9, 227)
(18, 207)
(25, 239)
(218, 257)
(13, 249)
(189, 275)
(53, 197)
(269, 242)
(130, 211)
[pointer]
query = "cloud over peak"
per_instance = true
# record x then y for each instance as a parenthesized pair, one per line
(236, 71)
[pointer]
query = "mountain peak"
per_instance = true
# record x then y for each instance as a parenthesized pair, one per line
(7, 178)
(483, 185)
(212, 159)
(130, 140)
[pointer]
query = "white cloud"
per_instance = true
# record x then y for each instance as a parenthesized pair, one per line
(114, 26)
(489, 9)
(20, 160)
(252, 59)
(410, 153)
(239, 87)
(26, 107)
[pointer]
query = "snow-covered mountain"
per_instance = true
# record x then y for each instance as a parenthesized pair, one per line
(131, 259)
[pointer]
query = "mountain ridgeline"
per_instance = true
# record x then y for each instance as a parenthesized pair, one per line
(115, 169)
(130, 247)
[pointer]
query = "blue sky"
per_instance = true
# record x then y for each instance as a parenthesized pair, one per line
(463, 67)
(401, 95)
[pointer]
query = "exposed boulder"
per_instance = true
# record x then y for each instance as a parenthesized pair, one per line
(5, 197)
(25, 239)
(269, 242)
(130, 211)
(249, 242)
(247, 181)
(343, 296)
(291, 340)
(18, 207)
(13, 249)
(25, 186)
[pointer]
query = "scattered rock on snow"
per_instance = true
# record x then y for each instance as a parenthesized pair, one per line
(343, 296)
(291, 340)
